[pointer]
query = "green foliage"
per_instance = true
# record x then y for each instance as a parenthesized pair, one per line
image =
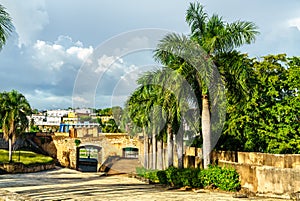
(148, 174)
(268, 119)
(162, 177)
(26, 157)
(223, 178)
(6, 26)
(174, 176)
(34, 129)
(105, 112)
(110, 127)
(140, 171)
(77, 142)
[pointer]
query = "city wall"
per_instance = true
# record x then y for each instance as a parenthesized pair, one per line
(264, 174)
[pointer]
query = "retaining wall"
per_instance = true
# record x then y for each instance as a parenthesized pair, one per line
(276, 175)
(21, 168)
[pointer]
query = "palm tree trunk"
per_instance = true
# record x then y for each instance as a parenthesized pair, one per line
(179, 142)
(159, 155)
(170, 146)
(146, 143)
(149, 142)
(206, 131)
(10, 149)
(154, 149)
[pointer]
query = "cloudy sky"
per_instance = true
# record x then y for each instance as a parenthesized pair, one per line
(89, 53)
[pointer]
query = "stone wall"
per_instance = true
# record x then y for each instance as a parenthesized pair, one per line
(275, 175)
(21, 168)
(64, 149)
(254, 158)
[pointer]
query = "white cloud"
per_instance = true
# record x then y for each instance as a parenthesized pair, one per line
(81, 53)
(29, 19)
(81, 100)
(295, 22)
(54, 55)
(49, 99)
(109, 64)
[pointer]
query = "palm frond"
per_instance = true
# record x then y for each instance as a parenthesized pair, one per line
(6, 26)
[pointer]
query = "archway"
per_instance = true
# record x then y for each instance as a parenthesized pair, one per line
(130, 152)
(89, 158)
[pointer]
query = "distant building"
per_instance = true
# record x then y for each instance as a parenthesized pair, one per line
(83, 111)
(58, 113)
(63, 120)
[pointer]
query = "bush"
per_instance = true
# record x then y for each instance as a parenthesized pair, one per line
(140, 171)
(223, 178)
(162, 177)
(152, 176)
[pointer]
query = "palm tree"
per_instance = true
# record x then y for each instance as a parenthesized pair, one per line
(6, 26)
(211, 38)
(168, 116)
(14, 109)
(154, 107)
(136, 118)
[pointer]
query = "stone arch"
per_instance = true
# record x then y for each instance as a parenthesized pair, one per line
(88, 157)
(130, 152)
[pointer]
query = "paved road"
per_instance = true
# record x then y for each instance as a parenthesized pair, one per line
(66, 184)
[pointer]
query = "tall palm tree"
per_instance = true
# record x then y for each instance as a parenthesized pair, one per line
(154, 106)
(136, 118)
(168, 116)
(6, 26)
(14, 109)
(211, 38)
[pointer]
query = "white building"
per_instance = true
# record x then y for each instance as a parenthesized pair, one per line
(58, 113)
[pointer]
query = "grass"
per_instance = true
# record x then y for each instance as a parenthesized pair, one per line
(26, 157)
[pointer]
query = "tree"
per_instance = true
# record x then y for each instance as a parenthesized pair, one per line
(269, 120)
(6, 26)
(156, 106)
(14, 109)
(138, 108)
(217, 39)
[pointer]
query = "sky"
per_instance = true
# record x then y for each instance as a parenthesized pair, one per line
(74, 53)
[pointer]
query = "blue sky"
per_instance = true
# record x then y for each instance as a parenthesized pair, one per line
(53, 40)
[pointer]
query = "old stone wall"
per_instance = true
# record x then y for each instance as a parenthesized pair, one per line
(254, 158)
(275, 175)
(21, 168)
(64, 148)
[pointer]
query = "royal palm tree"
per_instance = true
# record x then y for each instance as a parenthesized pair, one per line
(6, 26)
(211, 38)
(167, 109)
(136, 118)
(14, 109)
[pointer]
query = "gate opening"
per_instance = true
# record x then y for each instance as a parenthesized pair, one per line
(130, 152)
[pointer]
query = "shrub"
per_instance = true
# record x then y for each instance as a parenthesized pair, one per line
(77, 142)
(140, 171)
(173, 176)
(162, 177)
(223, 178)
(151, 175)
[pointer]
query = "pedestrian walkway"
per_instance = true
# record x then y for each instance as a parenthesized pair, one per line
(66, 184)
